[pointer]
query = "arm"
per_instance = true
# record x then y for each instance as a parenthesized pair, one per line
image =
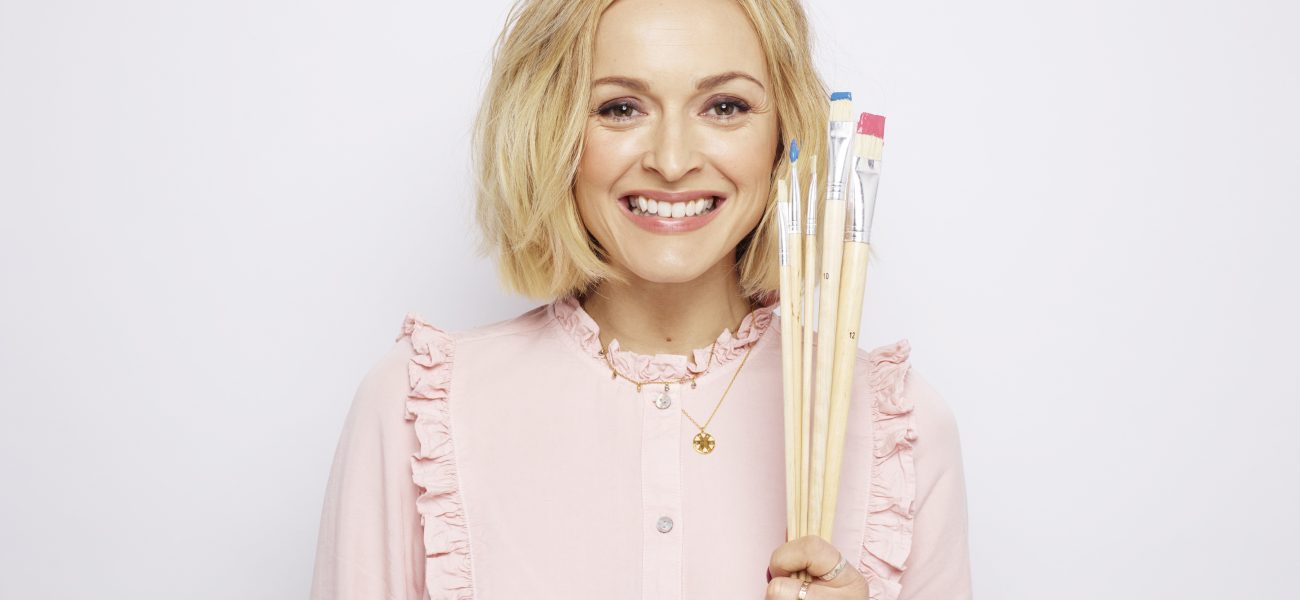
(370, 545)
(938, 567)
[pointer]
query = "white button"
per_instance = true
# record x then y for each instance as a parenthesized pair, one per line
(664, 525)
(663, 400)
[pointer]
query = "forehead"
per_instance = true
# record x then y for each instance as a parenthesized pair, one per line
(676, 41)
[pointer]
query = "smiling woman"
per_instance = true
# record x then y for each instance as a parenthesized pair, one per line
(677, 88)
(625, 439)
(681, 119)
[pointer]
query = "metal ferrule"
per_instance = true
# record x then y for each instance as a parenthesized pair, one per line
(841, 141)
(783, 225)
(796, 193)
(863, 182)
(812, 205)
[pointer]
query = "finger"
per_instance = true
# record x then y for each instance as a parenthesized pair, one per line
(808, 553)
(787, 588)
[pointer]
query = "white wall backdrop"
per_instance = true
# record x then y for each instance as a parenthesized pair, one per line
(215, 214)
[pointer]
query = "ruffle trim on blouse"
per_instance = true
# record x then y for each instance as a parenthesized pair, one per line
(575, 320)
(887, 537)
(448, 575)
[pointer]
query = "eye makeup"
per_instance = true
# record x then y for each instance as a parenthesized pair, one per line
(723, 107)
(734, 106)
(613, 108)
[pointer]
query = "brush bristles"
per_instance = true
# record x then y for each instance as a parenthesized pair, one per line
(842, 110)
(868, 146)
(869, 124)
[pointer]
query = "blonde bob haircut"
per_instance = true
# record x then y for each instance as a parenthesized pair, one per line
(528, 139)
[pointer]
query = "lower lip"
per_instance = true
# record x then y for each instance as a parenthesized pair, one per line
(657, 224)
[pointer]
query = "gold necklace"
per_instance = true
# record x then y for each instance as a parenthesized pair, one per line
(703, 442)
(614, 374)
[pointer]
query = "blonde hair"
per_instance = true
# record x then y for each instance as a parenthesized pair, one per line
(529, 133)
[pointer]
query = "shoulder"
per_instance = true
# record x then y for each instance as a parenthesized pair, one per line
(381, 395)
(420, 332)
(914, 429)
(897, 386)
(430, 352)
(421, 359)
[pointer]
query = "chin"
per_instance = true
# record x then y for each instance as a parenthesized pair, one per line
(679, 266)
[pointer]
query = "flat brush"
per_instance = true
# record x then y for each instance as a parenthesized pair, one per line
(864, 178)
(840, 133)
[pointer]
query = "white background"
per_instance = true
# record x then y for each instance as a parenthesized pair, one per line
(215, 215)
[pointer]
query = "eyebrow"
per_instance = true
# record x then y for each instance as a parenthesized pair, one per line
(711, 81)
(627, 82)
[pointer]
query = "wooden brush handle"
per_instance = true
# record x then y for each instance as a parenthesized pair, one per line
(790, 382)
(810, 274)
(795, 484)
(832, 235)
(852, 285)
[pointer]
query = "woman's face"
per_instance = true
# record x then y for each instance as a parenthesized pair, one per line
(681, 138)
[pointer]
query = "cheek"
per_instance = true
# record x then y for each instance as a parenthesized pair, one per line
(746, 157)
(606, 159)
(606, 156)
(744, 152)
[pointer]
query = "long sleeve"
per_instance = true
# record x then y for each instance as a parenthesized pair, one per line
(370, 544)
(938, 567)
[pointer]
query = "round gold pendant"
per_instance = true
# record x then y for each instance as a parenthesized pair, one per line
(704, 443)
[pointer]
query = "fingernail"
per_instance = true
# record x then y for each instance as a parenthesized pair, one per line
(769, 575)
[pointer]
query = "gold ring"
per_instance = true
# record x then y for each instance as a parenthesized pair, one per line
(803, 591)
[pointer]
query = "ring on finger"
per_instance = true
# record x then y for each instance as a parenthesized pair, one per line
(836, 571)
(803, 591)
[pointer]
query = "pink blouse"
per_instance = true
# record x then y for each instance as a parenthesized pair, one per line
(505, 462)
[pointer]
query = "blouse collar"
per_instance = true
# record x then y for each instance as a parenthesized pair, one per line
(575, 321)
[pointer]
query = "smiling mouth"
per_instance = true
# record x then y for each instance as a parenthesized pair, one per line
(643, 206)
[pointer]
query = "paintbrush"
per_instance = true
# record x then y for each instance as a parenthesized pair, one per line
(840, 133)
(809, 277)
(864, 179)
(794, 243)
(789, 360)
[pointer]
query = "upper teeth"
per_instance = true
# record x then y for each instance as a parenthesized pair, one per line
(641, 205)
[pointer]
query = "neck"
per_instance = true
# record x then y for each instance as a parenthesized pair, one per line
(669, 318)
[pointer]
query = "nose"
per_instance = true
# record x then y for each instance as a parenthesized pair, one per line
(673, 151)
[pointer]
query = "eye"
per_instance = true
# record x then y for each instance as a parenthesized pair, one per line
(726, 108)
(618, 110)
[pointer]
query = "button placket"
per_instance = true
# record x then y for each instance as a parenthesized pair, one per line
(661, 500)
